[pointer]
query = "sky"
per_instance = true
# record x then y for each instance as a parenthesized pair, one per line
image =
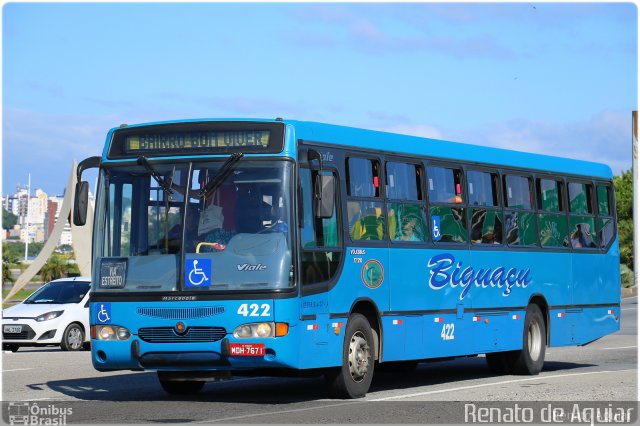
(552, 78)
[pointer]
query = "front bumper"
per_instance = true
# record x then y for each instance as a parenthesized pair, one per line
(136, 354)
(32, 332)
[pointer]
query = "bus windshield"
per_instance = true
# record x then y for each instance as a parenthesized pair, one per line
(201, 226)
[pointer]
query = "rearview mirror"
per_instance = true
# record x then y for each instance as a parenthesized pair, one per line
(325, 196)
(81, 199)
(80, 204)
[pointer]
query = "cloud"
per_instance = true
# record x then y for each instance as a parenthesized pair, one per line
(604, 138)
(53, 90)
(375, 31)
(45, 145)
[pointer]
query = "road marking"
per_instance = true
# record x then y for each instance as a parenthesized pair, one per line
(270, 413)
(16, 369)
(504, 382)
(627, 309)
(621, 347)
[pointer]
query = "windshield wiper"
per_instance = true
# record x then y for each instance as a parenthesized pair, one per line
(142, 160)
(222, 174)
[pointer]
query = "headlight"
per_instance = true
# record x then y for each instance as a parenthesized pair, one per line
(264, 329)
(49, 316)
(261, 329)
(110, 332)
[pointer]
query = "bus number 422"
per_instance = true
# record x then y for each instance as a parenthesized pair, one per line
(254, 310)
(447, 332)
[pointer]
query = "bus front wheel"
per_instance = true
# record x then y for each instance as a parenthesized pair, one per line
(183, 387)
(530, 359)
(353, 379)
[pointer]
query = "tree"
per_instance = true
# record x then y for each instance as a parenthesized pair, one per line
(16, 249)
(8, 219)
(55, 268)
(8, 262)
(624, 207)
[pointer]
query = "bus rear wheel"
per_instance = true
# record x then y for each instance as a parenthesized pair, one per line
(353, 379)
(498, 363)
(182, 387)
(530, 359)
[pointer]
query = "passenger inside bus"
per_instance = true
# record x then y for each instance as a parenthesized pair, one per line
(370, 226)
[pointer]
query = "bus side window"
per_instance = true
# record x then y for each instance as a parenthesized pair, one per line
(606, 227)
(366, 217)
(552, 221)
(581, 216)
(363, 177)
(406, 219)
(444, 186)
(519, 219)
(486, 215)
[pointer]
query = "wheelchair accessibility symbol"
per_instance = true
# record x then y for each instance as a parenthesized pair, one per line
(197, 273)
(103, 313)
(435, 228)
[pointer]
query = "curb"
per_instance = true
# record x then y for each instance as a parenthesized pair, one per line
(629, 291)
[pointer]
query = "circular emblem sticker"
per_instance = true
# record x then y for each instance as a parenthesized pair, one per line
(372, 274)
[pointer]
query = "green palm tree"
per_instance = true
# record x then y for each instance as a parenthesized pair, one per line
(55, 268)
(7, 263)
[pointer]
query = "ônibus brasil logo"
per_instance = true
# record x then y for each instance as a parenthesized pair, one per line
(445, 271)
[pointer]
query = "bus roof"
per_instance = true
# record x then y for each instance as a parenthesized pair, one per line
(358, 138)
(404, 144)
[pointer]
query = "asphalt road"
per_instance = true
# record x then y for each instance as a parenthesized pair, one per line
(594, 375)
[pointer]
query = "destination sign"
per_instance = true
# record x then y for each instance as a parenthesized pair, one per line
(195, 138)
(211, 140)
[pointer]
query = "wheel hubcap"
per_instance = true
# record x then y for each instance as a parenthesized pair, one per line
(359, 354)
(534, 340)
(75, 338)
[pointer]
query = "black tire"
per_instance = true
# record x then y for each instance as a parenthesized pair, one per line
(73, 338)
(182, 387)
(498, 363)
(530, 359)
(353, 379)
(400, 367)
(9, 347)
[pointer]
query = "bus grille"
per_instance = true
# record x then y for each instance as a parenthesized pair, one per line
(181, 313)
(193, 334)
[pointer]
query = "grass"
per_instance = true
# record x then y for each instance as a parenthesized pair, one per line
(19, 296)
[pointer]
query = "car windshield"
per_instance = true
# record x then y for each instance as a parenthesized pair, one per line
(205, 226)
(59, 292)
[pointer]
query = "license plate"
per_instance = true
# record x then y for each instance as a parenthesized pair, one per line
(246, 349)
(14, 329)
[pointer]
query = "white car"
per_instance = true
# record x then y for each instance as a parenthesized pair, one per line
(55, 314)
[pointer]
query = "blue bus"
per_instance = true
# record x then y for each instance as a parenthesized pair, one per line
(273, 247)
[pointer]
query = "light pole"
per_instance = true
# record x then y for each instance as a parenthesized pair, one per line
(26, 246)
(636, 201)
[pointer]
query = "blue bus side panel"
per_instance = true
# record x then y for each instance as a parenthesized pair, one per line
(590, 284)
(356, 284)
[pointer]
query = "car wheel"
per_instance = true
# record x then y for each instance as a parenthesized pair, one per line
(73, 338)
